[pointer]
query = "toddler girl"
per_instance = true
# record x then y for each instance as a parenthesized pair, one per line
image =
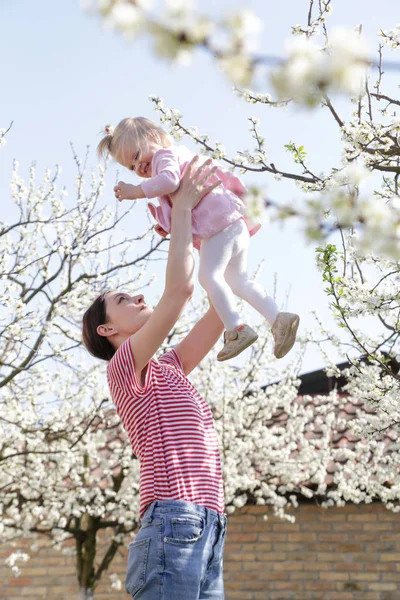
(221, 231)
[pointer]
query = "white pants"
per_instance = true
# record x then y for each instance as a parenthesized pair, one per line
(223, 274)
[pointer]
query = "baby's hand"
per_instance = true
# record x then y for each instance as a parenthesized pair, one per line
(125, 191)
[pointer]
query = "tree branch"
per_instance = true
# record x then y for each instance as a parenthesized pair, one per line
(384, 97)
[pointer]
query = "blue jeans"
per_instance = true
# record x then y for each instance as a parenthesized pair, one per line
(177, 553)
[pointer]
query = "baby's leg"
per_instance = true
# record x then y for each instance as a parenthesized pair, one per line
(215, 254)
(241, 284)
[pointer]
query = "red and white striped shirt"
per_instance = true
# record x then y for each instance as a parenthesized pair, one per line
(171, 430)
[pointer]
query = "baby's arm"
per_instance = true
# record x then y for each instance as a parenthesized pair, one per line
(127, 191)
(166, 180)
(167, 175)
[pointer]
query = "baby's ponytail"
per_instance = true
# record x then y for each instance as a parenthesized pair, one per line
(104, 147)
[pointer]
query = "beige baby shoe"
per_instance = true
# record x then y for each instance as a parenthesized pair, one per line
(236, 340)
(284, 330)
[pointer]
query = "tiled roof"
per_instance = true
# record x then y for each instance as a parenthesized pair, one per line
(317, 383)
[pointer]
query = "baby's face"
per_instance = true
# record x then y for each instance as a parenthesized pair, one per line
(139, 163)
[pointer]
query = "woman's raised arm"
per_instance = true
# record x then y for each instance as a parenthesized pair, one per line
(180, 265)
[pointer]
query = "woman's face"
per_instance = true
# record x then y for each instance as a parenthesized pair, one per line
(126, 315)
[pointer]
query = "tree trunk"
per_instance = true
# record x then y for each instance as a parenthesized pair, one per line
(86, 594)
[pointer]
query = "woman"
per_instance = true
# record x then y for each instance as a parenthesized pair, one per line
(178, 552)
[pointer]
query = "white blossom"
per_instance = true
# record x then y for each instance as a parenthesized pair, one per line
(15, 557)
(116, 583)
(310, 71)
(125, 15)
(237, 67)
(254, 203)
(245, 25)
(391, 37)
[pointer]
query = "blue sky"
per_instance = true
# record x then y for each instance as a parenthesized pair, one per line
(64, 77)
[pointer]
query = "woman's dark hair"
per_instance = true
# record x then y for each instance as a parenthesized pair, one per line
(98, 345)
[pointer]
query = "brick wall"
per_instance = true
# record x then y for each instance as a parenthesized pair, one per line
(349, 553)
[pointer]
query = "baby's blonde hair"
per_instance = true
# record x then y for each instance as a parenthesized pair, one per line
(133, 134)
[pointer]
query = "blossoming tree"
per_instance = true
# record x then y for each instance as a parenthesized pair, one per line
(57, 421)
(54, 255)
(318, 65)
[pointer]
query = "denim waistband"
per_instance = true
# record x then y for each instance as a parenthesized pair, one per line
(165, 506)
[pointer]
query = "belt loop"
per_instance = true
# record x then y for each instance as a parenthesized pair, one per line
(207, 515)
(151, 511)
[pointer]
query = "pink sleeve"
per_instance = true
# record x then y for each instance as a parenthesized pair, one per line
(121, 373)
(166, 174)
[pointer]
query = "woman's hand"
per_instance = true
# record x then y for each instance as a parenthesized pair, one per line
(194, 184)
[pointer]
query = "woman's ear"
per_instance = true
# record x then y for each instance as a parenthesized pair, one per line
(105, 330)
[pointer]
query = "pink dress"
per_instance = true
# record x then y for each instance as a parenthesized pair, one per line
(218, 209)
